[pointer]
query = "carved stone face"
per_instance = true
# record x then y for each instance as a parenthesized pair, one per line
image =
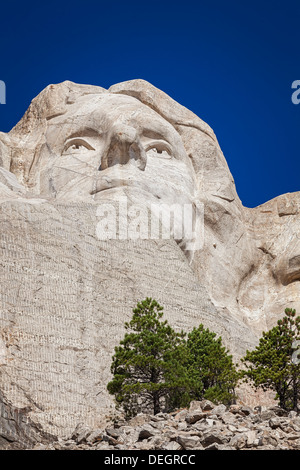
(62, 288)
(108, 143)
(84, 143)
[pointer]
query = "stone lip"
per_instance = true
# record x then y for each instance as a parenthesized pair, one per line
(203, 426)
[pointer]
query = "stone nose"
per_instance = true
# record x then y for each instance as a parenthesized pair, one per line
(124, 146)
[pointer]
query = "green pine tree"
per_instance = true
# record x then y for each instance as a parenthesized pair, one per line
(211, 367)
(148, 367)
(274, 364)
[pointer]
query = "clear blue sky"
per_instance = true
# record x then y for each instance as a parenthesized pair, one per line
(231, 62)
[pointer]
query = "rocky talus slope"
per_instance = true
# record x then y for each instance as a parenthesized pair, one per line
(204, 426)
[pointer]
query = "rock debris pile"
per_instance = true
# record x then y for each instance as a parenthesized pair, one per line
(204, 426)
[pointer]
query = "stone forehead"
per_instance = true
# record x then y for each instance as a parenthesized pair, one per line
(116, 105)
(56, 100)
(105, 113)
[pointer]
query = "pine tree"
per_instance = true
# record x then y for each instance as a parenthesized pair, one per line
(211, 367)
(148, 367)
(274, 364)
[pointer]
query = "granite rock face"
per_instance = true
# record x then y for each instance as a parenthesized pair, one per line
(69, 282)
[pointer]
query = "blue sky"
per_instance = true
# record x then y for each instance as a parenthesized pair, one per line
(231, 62)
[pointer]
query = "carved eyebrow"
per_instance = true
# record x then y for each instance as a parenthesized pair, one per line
(84, 132)
(151, 134)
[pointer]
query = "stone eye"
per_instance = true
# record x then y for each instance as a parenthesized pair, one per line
(76, 146)
(159, 149)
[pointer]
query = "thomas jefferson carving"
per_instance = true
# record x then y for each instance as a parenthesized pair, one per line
(65, 294)
(85, 143)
